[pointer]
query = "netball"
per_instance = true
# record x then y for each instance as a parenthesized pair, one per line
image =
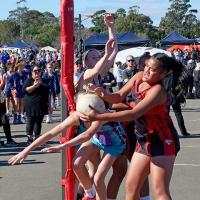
(86, 100)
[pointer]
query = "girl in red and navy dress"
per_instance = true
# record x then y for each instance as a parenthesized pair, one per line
(157, 139)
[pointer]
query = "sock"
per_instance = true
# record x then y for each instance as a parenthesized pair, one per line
(145, 198)
(91, 192)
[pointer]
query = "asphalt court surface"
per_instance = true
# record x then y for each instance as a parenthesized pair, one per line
(38, 178)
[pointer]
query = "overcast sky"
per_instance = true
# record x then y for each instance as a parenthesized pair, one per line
(148, 7)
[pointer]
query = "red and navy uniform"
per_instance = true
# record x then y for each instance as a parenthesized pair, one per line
(155, 132)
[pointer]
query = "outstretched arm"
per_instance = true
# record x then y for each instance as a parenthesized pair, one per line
(72, 120)
(119, 96)
(154, 97)
(81, 138)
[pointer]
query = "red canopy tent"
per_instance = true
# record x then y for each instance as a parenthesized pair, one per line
(183, 47)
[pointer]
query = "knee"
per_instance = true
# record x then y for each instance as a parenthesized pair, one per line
(77, 164)
(131, 187)
(98, 179)
(159, 192)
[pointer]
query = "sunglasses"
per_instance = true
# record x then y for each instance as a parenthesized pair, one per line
(131, 60)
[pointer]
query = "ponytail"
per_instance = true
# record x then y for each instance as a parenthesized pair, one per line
(177, 78)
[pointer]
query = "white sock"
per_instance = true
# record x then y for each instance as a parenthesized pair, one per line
(91, 192)
(145, 198)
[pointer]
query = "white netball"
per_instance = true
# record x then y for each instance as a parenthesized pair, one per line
(86, 100)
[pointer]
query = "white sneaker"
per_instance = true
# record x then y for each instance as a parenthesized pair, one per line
(48, 119)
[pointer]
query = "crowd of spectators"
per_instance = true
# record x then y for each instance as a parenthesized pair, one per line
(17, 69)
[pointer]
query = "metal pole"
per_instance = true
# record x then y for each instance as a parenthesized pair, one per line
(79, 27)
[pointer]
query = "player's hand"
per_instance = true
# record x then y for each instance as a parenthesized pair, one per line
(19, 158)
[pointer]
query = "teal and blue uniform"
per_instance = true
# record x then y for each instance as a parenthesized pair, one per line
(110, 138)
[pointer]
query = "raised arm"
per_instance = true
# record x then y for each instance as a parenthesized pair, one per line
(96, 70)
(72, 120)
(110, 22)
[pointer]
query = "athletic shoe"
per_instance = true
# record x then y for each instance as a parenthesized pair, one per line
(23, 119)
(19, 119)
(186, 134)
(2, 144)
(30, 139)
(12, 143)
(48, 119)
(15, 120)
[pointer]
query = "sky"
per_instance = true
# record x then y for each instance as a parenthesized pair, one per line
(151, 8)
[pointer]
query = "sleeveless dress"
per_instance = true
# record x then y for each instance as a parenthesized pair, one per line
(155, 132)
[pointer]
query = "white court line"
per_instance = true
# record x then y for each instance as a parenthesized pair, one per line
(193, 146)
(185, 164)
(191, 120)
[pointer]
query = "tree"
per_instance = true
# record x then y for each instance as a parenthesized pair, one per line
(134, 21)
(98, 21)
(17, 15)
(180, 17)
(9, 31)
(120, 13)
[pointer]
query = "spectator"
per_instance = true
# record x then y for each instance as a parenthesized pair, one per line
(190, 67)
(8, 85)
(35, 103)
(130, 70)
(197, 80)
(109, 82)
(78, 71)
(4, 121)
(50, 79)
(118, 74)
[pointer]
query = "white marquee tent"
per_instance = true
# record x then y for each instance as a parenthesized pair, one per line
(136, 52)
(48, 48)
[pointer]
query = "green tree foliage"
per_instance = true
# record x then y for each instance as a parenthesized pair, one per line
(180, 17)
(98, 21)
(9, 31)
(44, 28)
(132, 20)
(32, 25)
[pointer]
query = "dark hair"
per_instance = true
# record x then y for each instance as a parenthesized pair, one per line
(177, 79)
(143, 59)
(78, 61)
